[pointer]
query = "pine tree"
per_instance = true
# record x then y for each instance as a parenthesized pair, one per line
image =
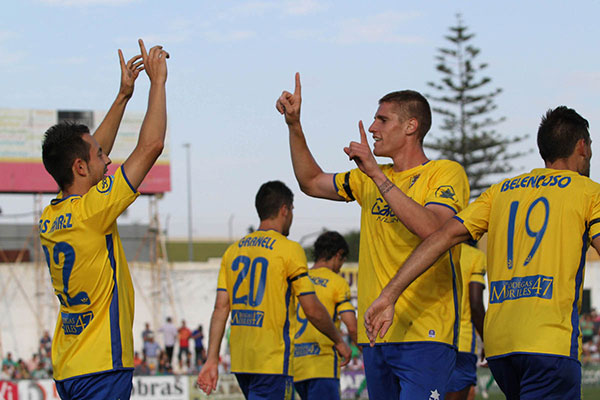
(466, 105)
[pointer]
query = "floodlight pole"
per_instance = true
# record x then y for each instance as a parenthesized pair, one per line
(189, 192)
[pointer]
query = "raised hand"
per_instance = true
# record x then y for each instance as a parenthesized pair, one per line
(155, 62)
(129, 73)
(361, 154)
(378, 318)
(288, 104)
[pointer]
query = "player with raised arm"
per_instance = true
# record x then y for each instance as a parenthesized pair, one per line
(472, 271)
(261, 276)
(402, 203)
(92, 350)
(540, 225)
(316, 365)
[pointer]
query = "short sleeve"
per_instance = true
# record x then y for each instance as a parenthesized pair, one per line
(222, 279)
(347, 184)
(476, 216)
(297, 271)
(595, 217)
(343, 301)
(478, 268)
(104, 202)
(450, 187)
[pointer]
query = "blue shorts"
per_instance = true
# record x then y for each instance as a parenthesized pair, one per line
(318, 389)
(464, 373)
(533, 376)
(266, 386)
(408, 371)
(102, 386)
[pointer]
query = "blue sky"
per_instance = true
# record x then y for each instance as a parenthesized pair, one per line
(230, 60)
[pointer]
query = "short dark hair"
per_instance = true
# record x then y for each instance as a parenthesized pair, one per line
(559, 132)
(62, 144)
(270, 197)
(328, 244)
(413, 105)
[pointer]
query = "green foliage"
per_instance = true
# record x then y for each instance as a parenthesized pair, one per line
(353, 239)
(466, 105)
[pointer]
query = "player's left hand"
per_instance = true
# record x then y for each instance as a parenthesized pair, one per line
(344, 351)
(129, 73)
(208, 376)
(378, 318)
(362, 155)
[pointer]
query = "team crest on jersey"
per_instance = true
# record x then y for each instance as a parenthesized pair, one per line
(413, 180)
(445, 192)
(435, 395)
(105, 185)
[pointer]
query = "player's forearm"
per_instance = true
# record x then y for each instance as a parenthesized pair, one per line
(423, 257)
(418, 219)
(305, 166)
(476, 305)
(153, 131)
(349, 319)
(320, 318)
(218, 322)
(107, 131)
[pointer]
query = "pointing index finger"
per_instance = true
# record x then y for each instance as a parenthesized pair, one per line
(298, 88)
(121, 59)
(363, 134)
(142, 48)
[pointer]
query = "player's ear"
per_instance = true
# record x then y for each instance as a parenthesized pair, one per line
(80, 167)
(412, 126)
(581, 147)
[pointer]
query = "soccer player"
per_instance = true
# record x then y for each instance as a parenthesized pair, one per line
(261, 275)
(539, 226)
(472, 270)
(92, 350)
(316, 366)
(402, 203)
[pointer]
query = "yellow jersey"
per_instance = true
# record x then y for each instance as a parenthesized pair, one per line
(263, 273)
(315, 356)
(539, 226)
(428, 310)
(472, 269)
(91, 279)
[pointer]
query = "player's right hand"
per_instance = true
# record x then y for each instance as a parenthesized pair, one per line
(361, 154)
(288, 104)
(208, 376)
(155, 62)
(378, 318)
(344, 351)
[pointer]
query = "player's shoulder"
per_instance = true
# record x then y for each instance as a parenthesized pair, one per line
(445, 164)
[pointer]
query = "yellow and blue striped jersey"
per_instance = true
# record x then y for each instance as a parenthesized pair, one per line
(315, 356)
(428, 309)
(539, 227)
(263, 273)
(91, 279)
(472, 269)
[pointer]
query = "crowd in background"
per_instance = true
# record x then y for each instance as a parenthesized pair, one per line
(589, 324)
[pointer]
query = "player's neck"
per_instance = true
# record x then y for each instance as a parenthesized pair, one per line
(323, 264)
(409, 157)
(77, 188)
(272, 224)
(569, 164)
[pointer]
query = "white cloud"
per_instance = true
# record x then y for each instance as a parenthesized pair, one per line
(303, 7)
(380, 28)
(84, 3)
(232, 36)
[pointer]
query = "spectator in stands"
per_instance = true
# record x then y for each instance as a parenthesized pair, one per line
(151, 353)
(9, 362)
(184, 334)
(46, 344)
(6, 373)
(145, 336)
(587, 327)
(21, 371)
(169, 332)
(33, 362)
(198, 336)
(40, 372)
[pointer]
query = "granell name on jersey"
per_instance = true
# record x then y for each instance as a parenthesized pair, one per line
(60, 222)
(265, 241)
(531, 181)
